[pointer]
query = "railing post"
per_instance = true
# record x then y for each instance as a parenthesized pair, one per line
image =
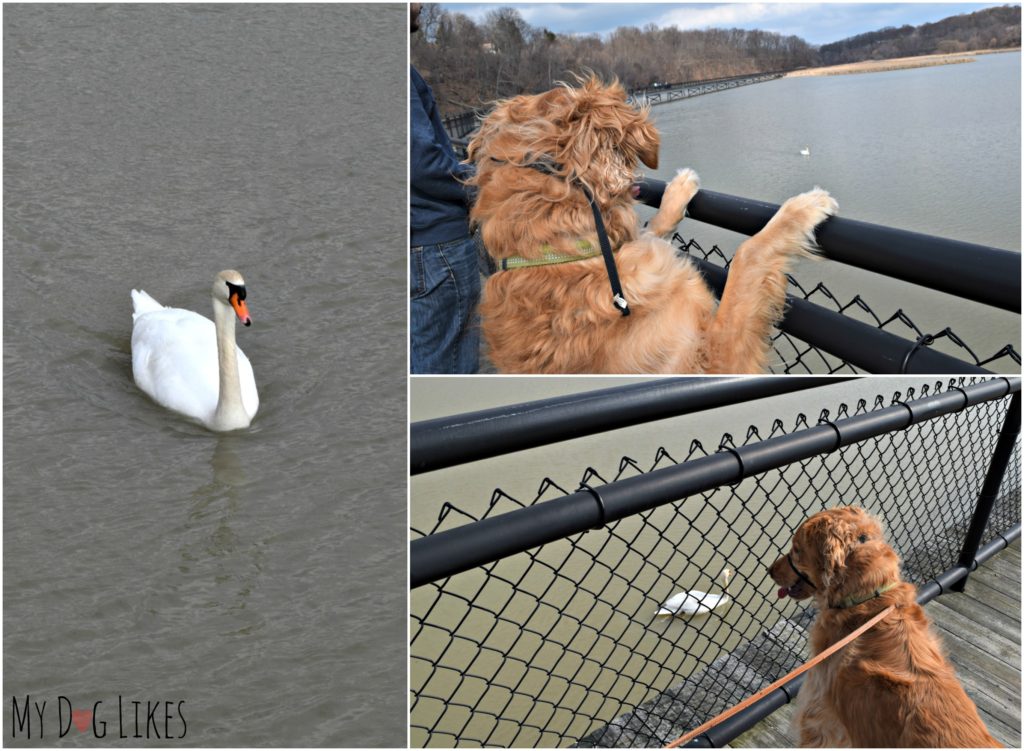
(990, 488)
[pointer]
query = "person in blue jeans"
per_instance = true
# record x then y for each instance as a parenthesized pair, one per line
(444, 277)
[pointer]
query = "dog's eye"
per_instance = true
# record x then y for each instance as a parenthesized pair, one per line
(862, 538)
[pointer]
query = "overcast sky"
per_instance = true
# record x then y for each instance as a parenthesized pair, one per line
(817, 23)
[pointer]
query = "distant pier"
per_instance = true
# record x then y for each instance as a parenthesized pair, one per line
(662, 94)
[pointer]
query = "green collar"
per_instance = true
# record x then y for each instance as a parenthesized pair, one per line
(849, 602)
(549, 257)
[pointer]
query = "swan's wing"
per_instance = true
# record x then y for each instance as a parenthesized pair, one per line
(142, 302)
(705, 603)
(174, 360)
(692, 602)
(673, 602)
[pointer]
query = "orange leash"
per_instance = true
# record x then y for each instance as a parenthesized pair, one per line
(784, 679)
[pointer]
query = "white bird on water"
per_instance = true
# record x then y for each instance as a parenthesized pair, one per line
(190, 364)
(695, 602)
(805, 151)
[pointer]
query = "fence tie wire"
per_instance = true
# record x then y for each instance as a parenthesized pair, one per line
(600, 503)
(739, 459)
(925, 340)
(823, 420)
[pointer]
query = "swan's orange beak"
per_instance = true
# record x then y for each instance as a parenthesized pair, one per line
(241, 310)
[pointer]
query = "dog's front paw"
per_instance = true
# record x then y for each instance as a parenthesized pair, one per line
(803, 213)
(683, 187)
(811, 208)
(678, 193)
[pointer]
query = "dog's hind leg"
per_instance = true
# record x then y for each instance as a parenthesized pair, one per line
(738, 338)
(678, 192)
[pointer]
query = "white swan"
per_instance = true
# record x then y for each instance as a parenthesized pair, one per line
(695, 602)
(805, 151)
(190, 364)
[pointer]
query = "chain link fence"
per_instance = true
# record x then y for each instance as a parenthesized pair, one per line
(561, 646)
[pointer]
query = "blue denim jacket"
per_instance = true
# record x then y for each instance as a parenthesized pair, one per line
(438, 202)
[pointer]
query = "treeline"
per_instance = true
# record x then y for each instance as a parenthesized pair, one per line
(992, 28)
(470, 64)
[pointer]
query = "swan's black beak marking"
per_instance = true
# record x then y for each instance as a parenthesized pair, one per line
(236, 296)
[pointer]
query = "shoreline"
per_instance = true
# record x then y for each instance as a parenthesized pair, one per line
(896, 63)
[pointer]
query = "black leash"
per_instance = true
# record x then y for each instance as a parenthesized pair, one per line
(618, 299)
(553, 170)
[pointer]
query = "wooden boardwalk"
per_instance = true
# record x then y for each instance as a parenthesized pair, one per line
(981, 631)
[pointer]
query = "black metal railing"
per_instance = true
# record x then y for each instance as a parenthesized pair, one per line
(459, 127)
(819, 334)
(533, 621)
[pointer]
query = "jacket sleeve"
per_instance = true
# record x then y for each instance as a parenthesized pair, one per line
(434, 169)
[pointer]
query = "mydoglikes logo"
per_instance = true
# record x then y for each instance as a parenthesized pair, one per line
(35, 719)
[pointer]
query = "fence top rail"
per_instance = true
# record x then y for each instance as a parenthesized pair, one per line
(859, 344)
(453, 551)
(448, 441)
(975, 272)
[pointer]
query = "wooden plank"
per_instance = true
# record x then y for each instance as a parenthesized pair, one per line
(979, 591)
(1005, 734)
(976, 637)
(1002, 575)
(958, 633)
(775, 731)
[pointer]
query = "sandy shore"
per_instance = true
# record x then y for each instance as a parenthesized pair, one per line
(897, 63)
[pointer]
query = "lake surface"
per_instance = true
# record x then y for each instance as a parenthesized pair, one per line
(933, 150)
(258, 577)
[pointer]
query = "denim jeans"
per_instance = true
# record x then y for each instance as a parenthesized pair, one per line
(444, 327)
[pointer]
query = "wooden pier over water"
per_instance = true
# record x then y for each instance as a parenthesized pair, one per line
(675, 91)
(980, 629)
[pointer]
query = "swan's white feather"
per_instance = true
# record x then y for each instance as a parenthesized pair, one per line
(174, 360)
(692, 602)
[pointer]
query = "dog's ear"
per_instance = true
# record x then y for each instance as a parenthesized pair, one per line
(643, 138)
(639, 137)
(834, 545)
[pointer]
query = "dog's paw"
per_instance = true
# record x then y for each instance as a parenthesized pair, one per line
(800, 215)
(677, 195)
(684, 185)
(811, 208)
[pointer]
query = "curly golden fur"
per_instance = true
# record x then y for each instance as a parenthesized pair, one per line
(559, 318)
(893, 686)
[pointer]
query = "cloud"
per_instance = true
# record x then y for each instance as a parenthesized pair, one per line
(817, 23)
(732, 15)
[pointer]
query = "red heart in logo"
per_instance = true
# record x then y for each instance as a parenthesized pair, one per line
(81, 718)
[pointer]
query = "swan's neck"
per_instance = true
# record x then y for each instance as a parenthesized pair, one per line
(230, 413)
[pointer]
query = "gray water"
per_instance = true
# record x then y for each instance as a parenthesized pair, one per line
(258, 577)
(933, 150)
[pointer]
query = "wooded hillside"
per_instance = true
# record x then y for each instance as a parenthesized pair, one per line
(469, 64)
(992, 28)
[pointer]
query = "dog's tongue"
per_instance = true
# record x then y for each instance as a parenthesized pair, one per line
(783, 592)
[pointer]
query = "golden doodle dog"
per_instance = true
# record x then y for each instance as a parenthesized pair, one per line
(892, 686)
(549, 308)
